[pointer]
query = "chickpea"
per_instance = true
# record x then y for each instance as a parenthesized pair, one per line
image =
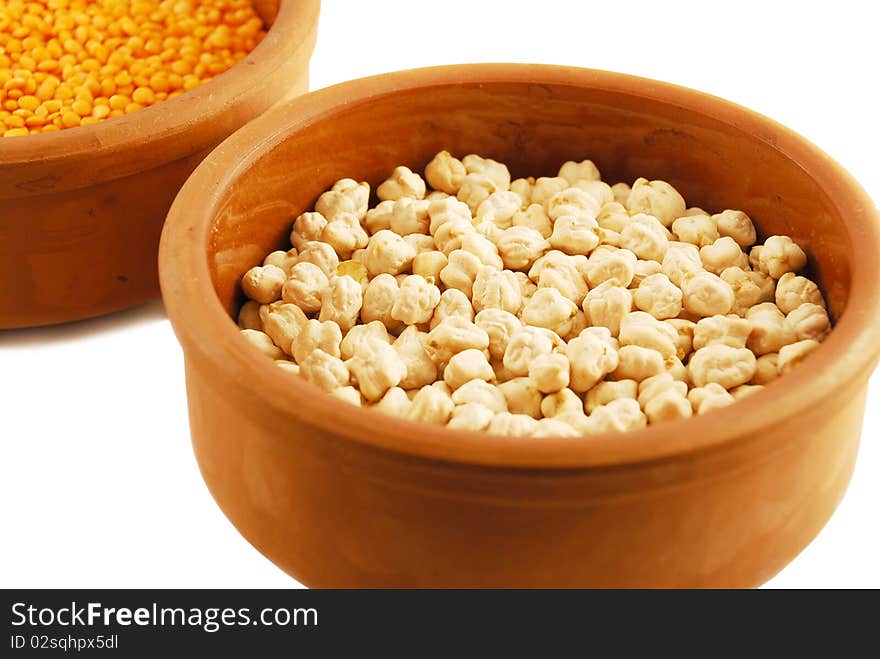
(540, 307)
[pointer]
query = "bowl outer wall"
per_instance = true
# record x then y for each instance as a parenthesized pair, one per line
(81, 210)
(723, 500)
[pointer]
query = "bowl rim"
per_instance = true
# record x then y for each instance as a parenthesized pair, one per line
(28, 165)
(202, 325)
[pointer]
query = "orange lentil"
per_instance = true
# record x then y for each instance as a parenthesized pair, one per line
(29, 103)
(108, 87)
(119, 101)
(70, 119)
(81, 107)
(144, 96)
(67, 63)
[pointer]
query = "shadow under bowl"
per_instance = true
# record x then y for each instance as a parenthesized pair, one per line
(340, 496)
(81, 210)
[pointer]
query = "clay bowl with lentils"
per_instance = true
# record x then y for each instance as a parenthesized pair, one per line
(81, 209)
(342, 496)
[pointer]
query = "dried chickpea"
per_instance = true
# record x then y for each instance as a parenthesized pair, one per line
(496, 289)
(482, 392)
(766, 369)
(657, 295)
(663, 398)
(770, 329)
(593, 355)
(706, 294)
(431, 405)
(326, 371)
(730, 330)
(794, 353)
(779, 255)
(465, 366)
(495, 171)
(792, 291)
(514, 425)
(522, 396)
(540, 307)
(736, 225)
(550, 373)
(607, 390)
(657, 198)
(314, 334)
(562, 401)
(499, 209)
(452, 303)
(524, 346)
(429, 265)
(264, 284)
(416, 300)
(555, 428)
(249, 316)
(645, 237)
(376, 367)
(584, 170)
(471, 416)
(420, 368)
(403, 182)
(562, 272)
(499, 326)
(550, 309)
(607, 304)
(641, 329)
(723, 364)
(809, 321)
(284, 260)
(374, 331)
(305, 286)
(395, 402)
(445, 173)
(618, 416)
(534, 217)
(722, 254)
(263, 343)
(709, 397)
(744, 390)
(453, 335)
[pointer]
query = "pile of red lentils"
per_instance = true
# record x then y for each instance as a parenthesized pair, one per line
(68, 63)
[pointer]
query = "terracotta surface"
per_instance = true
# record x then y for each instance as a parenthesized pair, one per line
(340, 496)
(81, 210)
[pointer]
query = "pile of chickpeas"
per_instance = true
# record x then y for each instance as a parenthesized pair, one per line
(68, 63)
(556, 306)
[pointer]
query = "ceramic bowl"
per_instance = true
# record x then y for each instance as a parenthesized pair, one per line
(81, 210)
(342, 496)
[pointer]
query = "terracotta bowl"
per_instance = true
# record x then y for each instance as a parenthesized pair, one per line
(341, 496)
(81, 210)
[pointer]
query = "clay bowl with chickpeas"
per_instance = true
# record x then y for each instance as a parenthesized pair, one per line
(410, 364)
(82, 206)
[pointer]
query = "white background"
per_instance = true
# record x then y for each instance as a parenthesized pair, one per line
(98, 485)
